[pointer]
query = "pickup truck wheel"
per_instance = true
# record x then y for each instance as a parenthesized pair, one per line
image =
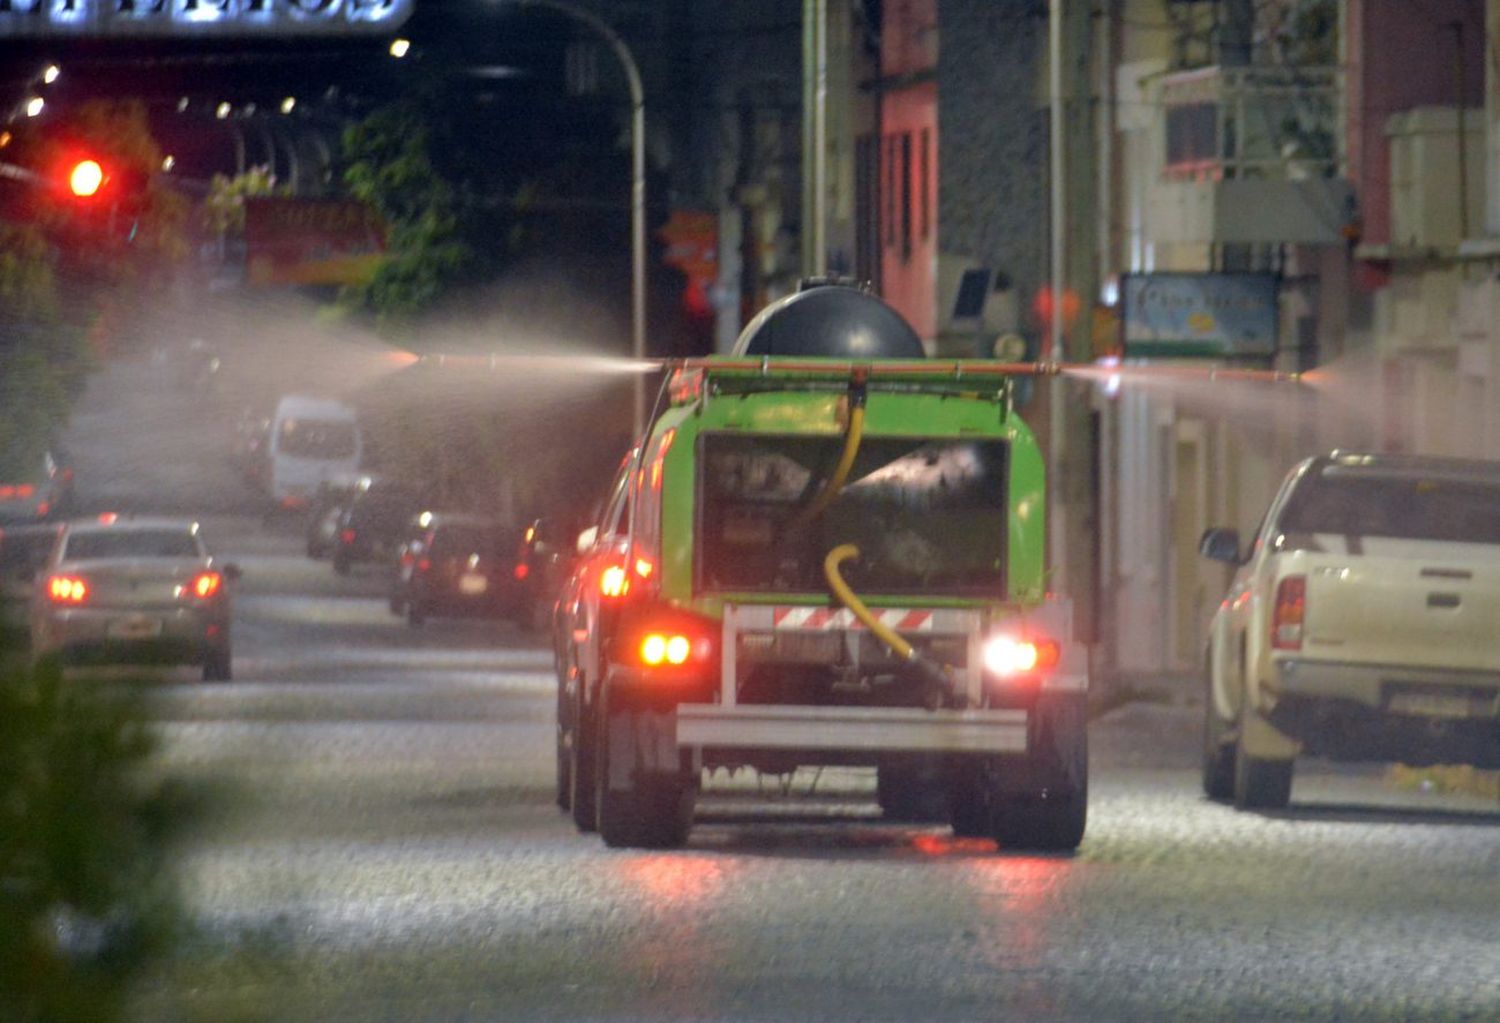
(583, 772)
(655, 811)
(1218, 753)
(1261, 784)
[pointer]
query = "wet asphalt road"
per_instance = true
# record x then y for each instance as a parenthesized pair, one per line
(388, 849)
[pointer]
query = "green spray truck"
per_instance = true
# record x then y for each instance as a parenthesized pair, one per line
(827, 549)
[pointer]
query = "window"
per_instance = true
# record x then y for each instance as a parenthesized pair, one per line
(906, 195)
(924, 185)
(317, 438)
(890, 190)
(1409, 507)
(1192, 136)
(132, 543)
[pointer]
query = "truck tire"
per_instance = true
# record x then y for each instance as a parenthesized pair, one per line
(655, 810)
(969, 807)
(911, 793)
(1259, 783)
(1218, 751)
(1052, 815)
(218, 666)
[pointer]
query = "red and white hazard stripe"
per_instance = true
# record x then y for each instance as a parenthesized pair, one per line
(830, 618)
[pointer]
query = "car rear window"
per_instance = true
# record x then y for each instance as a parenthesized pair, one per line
(317, 438)
(1409, 507)
(461, 541)
(132, 543)
(929, 516)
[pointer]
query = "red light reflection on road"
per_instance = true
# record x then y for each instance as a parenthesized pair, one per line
(929, 844)
(676, 879)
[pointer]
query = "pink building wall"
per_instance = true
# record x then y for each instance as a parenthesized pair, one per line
(909, 162)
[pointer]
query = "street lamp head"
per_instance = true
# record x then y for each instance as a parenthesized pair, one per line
(400, 48)
(223, 111)
(51, 73)
(289, 104)
(34, 106)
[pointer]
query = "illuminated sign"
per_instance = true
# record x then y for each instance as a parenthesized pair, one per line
(51, 18)
(1213, 314)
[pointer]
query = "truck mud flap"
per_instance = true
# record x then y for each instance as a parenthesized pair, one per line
(851, 729)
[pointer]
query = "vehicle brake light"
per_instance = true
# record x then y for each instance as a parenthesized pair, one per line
(206, 584)
(1007, 656)
(658, 648)
(1288, 615)
(424, 565)
(347, 536)
(67, 589)
(522, 570)
(614, 582)
(644, 568)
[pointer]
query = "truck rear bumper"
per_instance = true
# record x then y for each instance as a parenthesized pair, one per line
(1374, 685)
(851, 729)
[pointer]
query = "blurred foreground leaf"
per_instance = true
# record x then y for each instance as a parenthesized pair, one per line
(87, 898)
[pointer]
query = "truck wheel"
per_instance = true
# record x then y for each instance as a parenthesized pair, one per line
(969, 804)
(218, 666)
(581, 771)
(655, 810)
(910, 793)
(1052, 813)
(1218, 752)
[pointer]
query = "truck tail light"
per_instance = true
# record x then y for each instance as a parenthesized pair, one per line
(1289, 612)
(671, 648)
(206, 584)
(1009, 657)
(67, 589)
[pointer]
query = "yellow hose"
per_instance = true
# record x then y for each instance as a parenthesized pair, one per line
(840, 472)
(887, 635)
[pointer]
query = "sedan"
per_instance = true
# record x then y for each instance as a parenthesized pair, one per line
(122, 590)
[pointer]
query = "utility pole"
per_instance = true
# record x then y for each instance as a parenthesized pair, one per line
(814, 138)
(1073, 503)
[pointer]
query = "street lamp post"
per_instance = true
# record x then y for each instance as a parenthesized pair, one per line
(637, 189)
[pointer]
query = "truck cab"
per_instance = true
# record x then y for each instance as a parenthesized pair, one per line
(813, 560)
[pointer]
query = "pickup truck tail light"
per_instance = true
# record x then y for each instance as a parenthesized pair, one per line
(1288, 614)
(206, 584)
(67, 589)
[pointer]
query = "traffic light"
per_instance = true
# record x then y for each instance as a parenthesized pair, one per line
(86, 179)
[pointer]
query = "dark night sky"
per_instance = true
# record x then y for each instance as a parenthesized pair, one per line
(450, 38)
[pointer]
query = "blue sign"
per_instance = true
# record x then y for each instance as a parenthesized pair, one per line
(1211, 314)
(190, 18)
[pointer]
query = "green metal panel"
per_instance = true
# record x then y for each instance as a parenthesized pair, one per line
(915, 411)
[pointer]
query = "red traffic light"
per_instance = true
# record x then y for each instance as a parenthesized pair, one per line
(86, 178)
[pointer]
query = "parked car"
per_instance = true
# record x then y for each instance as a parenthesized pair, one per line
(455, 565)
(41, 494)
(23, 550)
(373, 523)
(124, 590)
(1360, 624)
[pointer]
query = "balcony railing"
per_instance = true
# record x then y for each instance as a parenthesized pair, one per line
(1269, 122)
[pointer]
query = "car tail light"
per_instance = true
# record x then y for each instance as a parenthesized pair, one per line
(522, 570)
(1289, 612)
(424, 564)
(17, 490)
(67, 589)
(347, 536)
(1010, 657)
(206, 584)
(614, 581)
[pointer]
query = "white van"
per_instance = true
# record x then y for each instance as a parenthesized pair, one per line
(311, 441)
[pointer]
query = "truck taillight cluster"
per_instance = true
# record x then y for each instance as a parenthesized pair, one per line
(67, 589)
(1288, 614)
(1009, 657)
(206, 584)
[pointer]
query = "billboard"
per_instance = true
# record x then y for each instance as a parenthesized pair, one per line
(1219, 315)
(295, 242)
(189, 19)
